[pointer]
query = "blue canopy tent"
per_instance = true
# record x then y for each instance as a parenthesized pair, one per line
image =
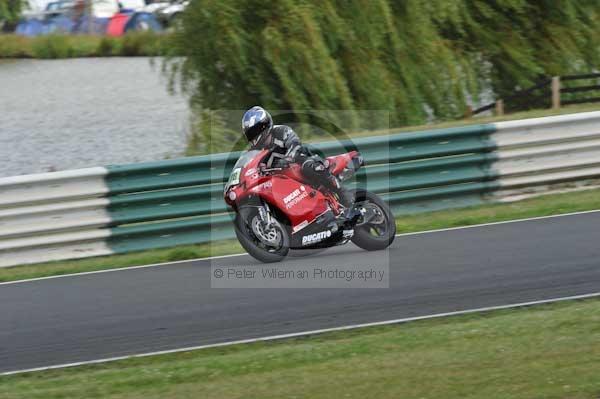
(31, 27)
(60, 24)
(98, 25)
(137, 21)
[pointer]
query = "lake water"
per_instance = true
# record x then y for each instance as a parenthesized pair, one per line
(66, 114)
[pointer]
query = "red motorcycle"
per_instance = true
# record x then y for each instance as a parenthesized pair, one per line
(278, 210)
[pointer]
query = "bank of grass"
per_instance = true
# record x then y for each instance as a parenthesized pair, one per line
(77, 46)
(536, 113)
(119, 261)
(539, 206)
(196, 139)
(548, 351)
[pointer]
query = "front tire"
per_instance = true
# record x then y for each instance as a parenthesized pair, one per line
(253, 245)
(380, 233)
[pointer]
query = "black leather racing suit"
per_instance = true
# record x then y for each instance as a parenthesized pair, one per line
(285, 145)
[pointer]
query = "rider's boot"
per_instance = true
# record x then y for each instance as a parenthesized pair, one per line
(347, 199)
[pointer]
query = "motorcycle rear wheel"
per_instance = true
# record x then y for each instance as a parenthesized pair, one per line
(374, 236)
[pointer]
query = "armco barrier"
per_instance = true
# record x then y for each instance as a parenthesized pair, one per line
(123, 208)
(536, 154)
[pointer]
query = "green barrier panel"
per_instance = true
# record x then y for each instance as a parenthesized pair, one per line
(399, 139)
(204, 200)
(436, 192)
(164, 175)
(438, 198)
(171, 233)
(208, 169)
(175, 210)
(160, 180)
(446, 163)
(413, 171)
(167, 204)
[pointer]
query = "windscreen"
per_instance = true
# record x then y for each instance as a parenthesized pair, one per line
(245, 158)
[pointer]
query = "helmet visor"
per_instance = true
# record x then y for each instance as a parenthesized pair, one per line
(256, 140)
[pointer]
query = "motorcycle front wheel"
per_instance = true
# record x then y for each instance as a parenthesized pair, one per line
(267, 244)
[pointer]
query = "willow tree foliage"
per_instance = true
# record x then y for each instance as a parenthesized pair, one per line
(10, 12)
(417, 59)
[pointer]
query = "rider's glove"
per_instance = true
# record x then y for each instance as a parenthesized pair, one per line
(293, 153)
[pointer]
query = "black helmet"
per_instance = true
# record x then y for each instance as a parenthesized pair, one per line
(257, 124)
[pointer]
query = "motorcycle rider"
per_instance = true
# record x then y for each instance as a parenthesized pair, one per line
(284, 144)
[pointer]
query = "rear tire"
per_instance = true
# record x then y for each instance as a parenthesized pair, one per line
(364, 236)
(243, 232)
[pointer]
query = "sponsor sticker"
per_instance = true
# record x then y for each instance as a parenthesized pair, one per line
(267, 184)
(316, 237)
(300, 226)
(288, 198)
(295, 197)
(296, 200)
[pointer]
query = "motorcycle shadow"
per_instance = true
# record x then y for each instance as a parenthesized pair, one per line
(304, 253)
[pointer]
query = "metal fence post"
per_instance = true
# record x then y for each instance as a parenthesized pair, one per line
(499, 107)
(468, 112)
(555, 92)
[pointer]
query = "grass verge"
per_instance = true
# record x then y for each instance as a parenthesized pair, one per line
(74, 46)
(540, 206)
(536, 113)
(548, 351)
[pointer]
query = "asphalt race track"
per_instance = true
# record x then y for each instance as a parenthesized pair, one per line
(94, 316)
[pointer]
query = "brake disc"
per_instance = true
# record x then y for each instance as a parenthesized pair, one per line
(372, 214)
(267, 234)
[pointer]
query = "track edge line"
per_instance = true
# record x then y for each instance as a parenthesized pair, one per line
(304, 333)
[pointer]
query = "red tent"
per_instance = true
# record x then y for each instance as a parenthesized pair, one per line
(116, 25)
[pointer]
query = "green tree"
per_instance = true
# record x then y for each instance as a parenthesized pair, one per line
(10, 12)
(416, 59)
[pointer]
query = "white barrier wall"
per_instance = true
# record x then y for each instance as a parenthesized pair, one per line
(535, 154)
(53, 216)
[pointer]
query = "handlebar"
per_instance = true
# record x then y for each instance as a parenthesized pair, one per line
(281, 165)
(270, 169)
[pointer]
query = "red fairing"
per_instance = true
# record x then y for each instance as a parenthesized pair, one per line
(299, 201)
(339, 162)
(287, 189)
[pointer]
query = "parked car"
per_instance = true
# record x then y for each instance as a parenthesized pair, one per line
(100, 8)
(154, 5)
(170, 15)
(56, 8)
(133, 5)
